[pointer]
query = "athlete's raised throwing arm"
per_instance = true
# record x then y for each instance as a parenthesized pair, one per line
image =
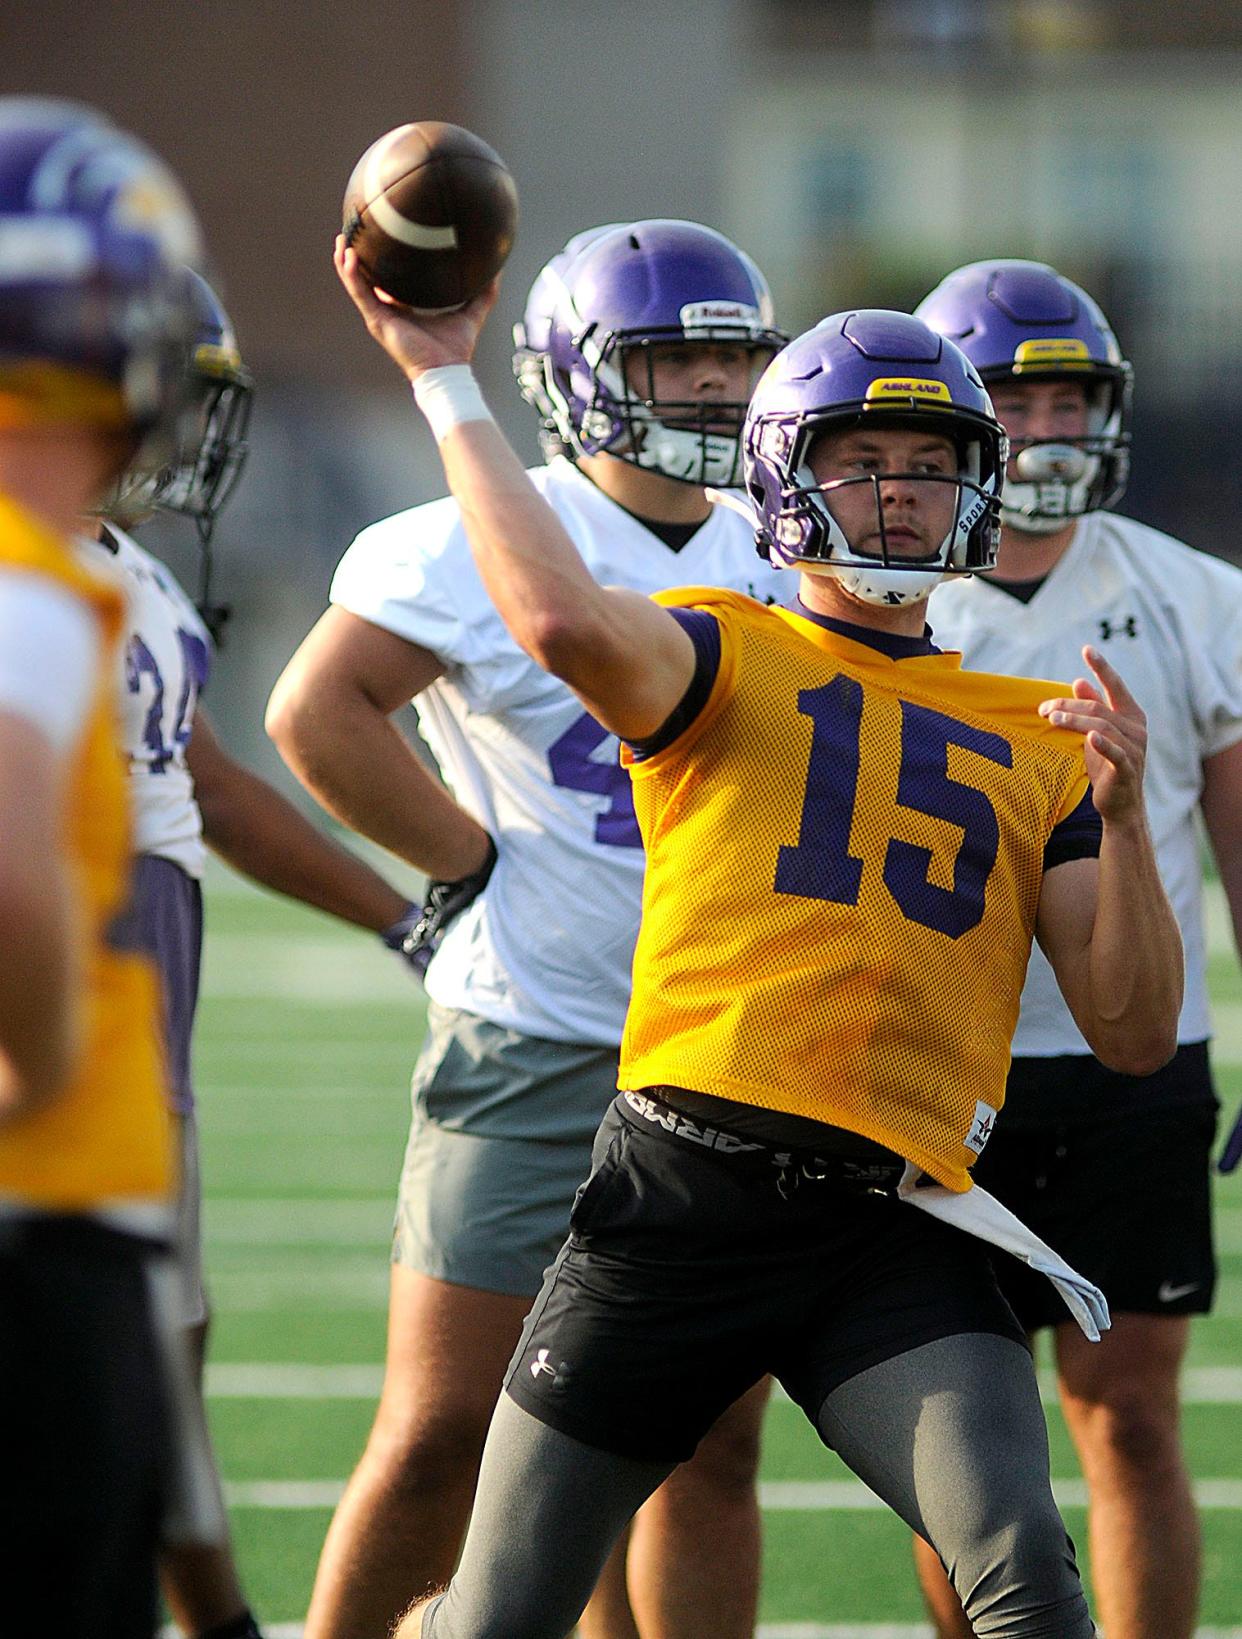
(1106, 926)
(627, 659)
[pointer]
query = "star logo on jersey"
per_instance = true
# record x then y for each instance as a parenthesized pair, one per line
(980, 1128)
(1121, 628)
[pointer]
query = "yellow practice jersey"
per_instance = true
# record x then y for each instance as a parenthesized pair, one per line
(844, 858)
(105, 1142)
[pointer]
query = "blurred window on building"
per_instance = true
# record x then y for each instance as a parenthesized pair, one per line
(835, 179)
(1063, 25)
(944, 23)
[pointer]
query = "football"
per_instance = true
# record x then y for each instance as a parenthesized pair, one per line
(431, 212)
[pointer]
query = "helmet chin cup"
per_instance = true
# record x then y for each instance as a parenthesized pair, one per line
(1026, 523)
(1053, 487)
(887, 588)
(1051, 463)
(689, 457)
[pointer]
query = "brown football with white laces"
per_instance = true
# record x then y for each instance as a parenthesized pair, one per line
(431, 211)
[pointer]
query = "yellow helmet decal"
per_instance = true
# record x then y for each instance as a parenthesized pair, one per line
(935, 394)
(215, 360)
(1051, 353)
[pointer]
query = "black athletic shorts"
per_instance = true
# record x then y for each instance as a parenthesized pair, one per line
(83, 1429)
(1125, 1199)
(694, 1266)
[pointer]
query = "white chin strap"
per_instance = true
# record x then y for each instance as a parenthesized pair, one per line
(693, 457)
(1052, 488)
(889, 588)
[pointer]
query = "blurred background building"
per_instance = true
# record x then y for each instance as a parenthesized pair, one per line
(858, 149)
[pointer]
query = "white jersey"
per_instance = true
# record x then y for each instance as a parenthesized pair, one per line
(1170, 620)
(164, 662)
(547, 948)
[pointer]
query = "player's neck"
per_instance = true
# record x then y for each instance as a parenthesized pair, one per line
(646, 494)
(827, 596)
(1023, 556)
(55, 474)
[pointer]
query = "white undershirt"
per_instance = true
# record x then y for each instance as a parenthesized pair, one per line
(49, 656)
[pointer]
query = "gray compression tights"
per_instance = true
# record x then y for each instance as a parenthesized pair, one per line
(546, 1514)
(951, 1435)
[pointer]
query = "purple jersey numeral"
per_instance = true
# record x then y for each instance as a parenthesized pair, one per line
(572, 766)
(140, 663)
(821, 866)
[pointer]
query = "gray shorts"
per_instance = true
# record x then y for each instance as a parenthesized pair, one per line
(500, 1139)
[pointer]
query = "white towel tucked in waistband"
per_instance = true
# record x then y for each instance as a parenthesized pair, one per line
(982, 1215)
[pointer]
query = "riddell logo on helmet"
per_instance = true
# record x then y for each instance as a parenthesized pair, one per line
(702, 315)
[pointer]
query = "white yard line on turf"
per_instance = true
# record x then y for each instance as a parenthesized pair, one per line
(775, 1496)
(1201, 1385)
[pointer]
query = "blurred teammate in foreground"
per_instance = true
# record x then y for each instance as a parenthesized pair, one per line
(95, 319)
(188, 794)
(1085, 1152)
(641, 345)
(850, 843)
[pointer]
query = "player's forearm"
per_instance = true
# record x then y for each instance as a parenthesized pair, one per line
(261, 834)
(1229, 865)
(1134, 959)
(39, 978)
(1228, 853)
(357, 764)
(532, 570)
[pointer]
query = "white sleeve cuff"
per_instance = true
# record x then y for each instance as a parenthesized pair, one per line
(449, 396)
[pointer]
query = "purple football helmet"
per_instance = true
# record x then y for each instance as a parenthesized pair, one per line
(198, 473)
(95, 316)
(211, 434)
(640, 287)
(1023, 321)
(531, 333)
(871, 369)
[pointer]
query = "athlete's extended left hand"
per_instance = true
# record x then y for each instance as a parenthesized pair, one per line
(1114, 730)
(414, 341)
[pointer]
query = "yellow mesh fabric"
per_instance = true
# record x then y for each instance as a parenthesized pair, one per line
(107, 1138)
(841, 994)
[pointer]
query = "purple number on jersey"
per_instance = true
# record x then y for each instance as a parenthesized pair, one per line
(196, 659)
(820, 866)
(573, 767)
(140, 663)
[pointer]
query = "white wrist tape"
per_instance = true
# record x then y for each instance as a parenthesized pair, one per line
(449, 396)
